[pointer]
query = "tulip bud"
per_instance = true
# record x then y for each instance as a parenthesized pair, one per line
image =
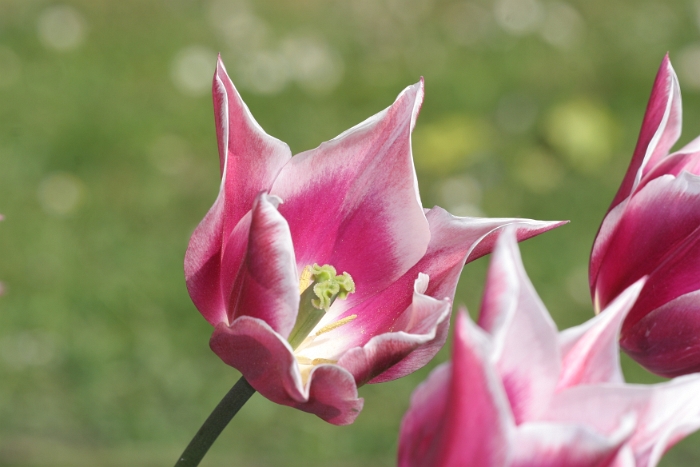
(652, 229)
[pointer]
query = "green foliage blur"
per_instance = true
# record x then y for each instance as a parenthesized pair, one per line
(108, 161)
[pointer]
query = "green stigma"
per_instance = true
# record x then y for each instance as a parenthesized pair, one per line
(328, 286)
(316, 298)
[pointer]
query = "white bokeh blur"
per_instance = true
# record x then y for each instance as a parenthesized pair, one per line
(61, 28)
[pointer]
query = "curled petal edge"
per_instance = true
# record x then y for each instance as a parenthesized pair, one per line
(266, 360)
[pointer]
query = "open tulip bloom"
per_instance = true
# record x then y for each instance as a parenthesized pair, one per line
(653, 229)
(322, 272)
(519, 394)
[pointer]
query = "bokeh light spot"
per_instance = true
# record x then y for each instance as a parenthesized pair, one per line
(563, 26)
(61, 28)
(60, 193)
(453, 142)
(460, 195)
(518, 16)
(539, 171)
(266, 72)
(192, 70)
(583, 132)
(314, 65)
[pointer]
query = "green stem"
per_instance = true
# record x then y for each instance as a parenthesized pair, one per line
(215, 423)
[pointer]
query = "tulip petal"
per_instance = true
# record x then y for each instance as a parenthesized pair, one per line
(667, 340)
(420, 331)
(516, 318)
(420, 427)
(660, 129)
(474, 425)
(453, 241)
(567, 445)
(657, 220)
(590, 351)
(266, 361)
(267, 285)
(665, 413)
(351, 201)
(250, 160)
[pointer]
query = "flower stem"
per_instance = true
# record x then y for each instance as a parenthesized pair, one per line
(215, 423)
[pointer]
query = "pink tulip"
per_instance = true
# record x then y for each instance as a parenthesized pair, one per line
(353, 204)
(518, 393)
(653, 229)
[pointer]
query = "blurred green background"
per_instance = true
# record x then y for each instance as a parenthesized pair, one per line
(108, 161)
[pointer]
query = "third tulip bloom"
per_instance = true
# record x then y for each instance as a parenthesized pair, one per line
(520, 394)
(652, 230)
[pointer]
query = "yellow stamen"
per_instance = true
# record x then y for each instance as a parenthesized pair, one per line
(320, 361)
(305, 279)
(337, 324)
(304, 360)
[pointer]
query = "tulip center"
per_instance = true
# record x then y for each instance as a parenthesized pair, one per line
(319, 287)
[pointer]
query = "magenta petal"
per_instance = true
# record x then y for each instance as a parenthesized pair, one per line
(267, 285)
(351, 201)
(590, 351)
(567, 445)
(419, 442)
(263, 357)
(667, 340)
(250, 160)
(459, 416)
(418, 335)
(516, 318)
(660, 129)
(453, 241)
(203, 265)
(266, 361)
(654, 223)
(478, 427)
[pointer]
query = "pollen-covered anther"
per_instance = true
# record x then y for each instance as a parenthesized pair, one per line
(335, 325)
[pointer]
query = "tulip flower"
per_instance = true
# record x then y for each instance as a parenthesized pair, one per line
(517, 393)
(652, 229)
(322, 272)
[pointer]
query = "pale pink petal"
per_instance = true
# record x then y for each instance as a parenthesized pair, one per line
(664, 413)
(250, 160)
(667, 340)
(351, 201)
(656, 221)
(660, 129)
(267, 284)
(418, 335)
(590, 351)
(266, 361)
(567, 445)
(516, 318)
